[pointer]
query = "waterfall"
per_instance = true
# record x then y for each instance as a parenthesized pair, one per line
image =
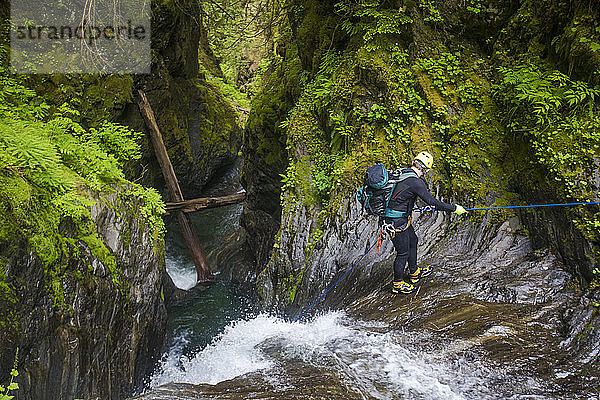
(370, 359)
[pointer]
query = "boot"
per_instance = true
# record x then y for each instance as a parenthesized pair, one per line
(403, 287)
(420, 273)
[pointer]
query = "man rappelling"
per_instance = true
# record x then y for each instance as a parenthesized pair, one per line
(392, 196)
(398, 217)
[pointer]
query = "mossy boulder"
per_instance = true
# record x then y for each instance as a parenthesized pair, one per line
(82, 300)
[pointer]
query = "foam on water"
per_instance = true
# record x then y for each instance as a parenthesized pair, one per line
(231, 354)
(382, 365)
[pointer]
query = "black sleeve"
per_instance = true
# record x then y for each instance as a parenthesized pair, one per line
(424, 194)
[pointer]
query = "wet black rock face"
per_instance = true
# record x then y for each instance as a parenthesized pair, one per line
(297, 380)
(100, 338)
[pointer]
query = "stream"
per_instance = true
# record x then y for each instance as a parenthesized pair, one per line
(370, 361)
(221, 348)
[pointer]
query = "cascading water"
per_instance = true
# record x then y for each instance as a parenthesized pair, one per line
(375, 362)
(179, 270)
(206, 312)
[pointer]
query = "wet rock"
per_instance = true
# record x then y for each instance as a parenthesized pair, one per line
(511, 304)
(289, 381)
(91, 332)
(262, 211)
(233, 259)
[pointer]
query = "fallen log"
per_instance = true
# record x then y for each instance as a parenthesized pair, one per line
(203, 272)
(204, 203)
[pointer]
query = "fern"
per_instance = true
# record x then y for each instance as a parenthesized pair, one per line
(117, 140)
(549, 95)
(58, 156)
(379, 27)
(559, 118)
(35, 155)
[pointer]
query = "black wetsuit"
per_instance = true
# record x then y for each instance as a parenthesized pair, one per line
(403, 199)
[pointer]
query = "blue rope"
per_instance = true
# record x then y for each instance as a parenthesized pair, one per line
(535, 205)
(338, 281)
(429, 208)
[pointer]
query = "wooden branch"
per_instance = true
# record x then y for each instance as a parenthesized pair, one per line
(204, 203)
(203, 271)
(159, 149)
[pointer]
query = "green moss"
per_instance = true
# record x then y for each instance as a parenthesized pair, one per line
(411, 115)
(57, 290)
(31, 223)
(290, 286)
(9, 304)
(317, 232)
(219, 120)
(433, 96)
(97, 98)
(100, 252)
(271, 104)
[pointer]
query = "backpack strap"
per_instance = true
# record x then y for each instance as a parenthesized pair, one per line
(389, 213)
(405, 175)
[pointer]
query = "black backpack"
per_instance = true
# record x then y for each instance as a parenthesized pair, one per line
(377, 190)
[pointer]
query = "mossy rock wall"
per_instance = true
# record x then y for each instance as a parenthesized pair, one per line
(302, 37)
(82, 301)
(265, 155)
(561, 36)
(435, 76)
(200, 128)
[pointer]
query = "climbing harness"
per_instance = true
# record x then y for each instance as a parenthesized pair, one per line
(338, 281)
(389, 230)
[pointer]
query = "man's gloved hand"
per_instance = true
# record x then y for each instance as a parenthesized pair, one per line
(459, 210)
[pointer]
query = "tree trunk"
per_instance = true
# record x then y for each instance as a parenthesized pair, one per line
(204, 203)
(203, 271)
